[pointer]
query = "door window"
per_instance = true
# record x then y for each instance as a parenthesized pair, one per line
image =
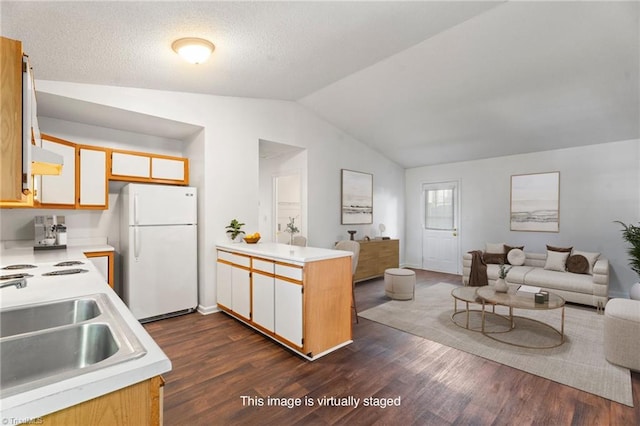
(440, 208)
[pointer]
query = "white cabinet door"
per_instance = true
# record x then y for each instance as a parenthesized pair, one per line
(288, 311)
(102, 265)
(60, 189)
(223, 284)
(93, 177)
(263, 300)
(130, 165)
(241, 292)
(166, 168)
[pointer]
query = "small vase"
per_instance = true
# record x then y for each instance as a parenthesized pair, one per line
(501, 286)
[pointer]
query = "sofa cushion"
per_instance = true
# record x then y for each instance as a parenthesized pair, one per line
(556, 261)
(578, 264)
(494, 258)
(507, 250)
(591, 258)
(515, 276)
(516, 257)
(577, 283)
(494, 248)
(561, 249)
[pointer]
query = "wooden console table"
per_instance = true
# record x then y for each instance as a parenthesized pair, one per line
(375, 257)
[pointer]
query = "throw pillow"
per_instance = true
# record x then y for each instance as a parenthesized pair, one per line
(591, 258)
(507, 250)
(578, 264)
(496, 258)
(494, 248)
(560, 249)
(516, 257)
(556, 261)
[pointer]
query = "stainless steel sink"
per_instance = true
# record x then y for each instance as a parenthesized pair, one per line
(89, 334)
(46, 315)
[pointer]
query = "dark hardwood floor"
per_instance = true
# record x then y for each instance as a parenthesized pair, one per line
(222, 369)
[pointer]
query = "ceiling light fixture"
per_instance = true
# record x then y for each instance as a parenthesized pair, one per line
(193, 50)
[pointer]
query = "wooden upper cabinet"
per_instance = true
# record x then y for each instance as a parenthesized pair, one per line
(131, 166)
(11, 121)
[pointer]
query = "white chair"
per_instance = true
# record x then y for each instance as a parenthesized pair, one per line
(354, 247)
(299, 240)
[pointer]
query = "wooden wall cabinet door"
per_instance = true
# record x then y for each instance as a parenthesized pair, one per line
(104, 263)
(93, 186)
(11, 120)
(59, 191)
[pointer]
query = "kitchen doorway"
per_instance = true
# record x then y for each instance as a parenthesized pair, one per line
(287, 199)
(283, 190)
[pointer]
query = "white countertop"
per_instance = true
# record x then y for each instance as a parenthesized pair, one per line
(285, 252)
(66, 393)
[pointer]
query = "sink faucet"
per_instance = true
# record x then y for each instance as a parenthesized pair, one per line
(19, 283)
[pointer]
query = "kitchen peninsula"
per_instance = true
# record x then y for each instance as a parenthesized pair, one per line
(298, 296)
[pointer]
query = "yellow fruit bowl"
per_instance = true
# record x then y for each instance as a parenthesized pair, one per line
(251, 240)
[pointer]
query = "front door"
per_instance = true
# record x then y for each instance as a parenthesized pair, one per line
(440, 248)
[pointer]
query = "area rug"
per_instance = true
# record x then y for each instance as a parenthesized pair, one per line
(579, 362)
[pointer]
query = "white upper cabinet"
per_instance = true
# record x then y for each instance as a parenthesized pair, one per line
(167, 168)
(60, 190)
(132, 165)
(92, 174)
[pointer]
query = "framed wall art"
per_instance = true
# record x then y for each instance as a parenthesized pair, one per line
(357, 197)
(535, 202)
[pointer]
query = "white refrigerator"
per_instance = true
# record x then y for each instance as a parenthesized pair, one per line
(158, 245)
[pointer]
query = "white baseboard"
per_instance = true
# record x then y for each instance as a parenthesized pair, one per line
(207, 310)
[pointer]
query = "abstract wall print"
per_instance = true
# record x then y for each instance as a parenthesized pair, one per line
(535, 202)
(357, 197)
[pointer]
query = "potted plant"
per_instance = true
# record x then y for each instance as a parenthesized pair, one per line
(631, 234)
(234, 229)
(292, 229)
(501, 283)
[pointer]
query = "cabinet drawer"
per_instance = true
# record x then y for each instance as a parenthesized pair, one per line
(236, 259)
(263, 265)
(292, 272)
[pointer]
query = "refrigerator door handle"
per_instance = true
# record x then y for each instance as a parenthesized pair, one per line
(136, 242)
(135, 209)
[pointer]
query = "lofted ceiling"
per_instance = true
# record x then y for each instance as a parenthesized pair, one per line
(422, 82)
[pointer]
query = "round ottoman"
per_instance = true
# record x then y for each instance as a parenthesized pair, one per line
(621, 333)
(400, 284)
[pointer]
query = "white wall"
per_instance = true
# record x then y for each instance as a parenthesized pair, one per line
(232, 129)
(598, 184)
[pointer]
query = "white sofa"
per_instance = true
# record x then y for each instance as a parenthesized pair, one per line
(584, 289)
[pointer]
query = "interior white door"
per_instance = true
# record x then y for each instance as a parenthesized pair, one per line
(440, 242)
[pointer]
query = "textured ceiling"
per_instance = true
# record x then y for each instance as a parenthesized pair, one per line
(421, 82)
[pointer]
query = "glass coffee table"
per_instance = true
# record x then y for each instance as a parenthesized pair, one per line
(466, 295)
(514, 300)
